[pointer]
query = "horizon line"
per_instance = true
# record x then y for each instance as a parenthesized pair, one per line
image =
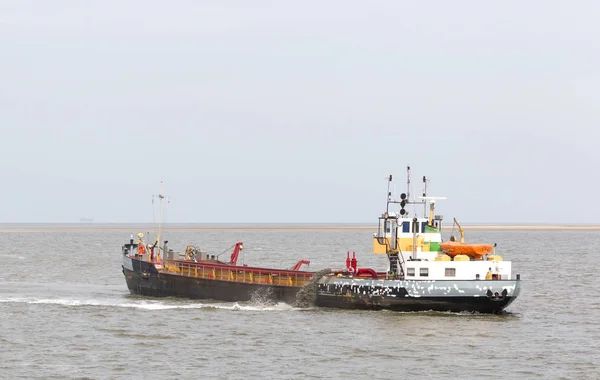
(119, 226)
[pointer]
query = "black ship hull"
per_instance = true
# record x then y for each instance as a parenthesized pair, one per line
(450, 304)
(470, 296)
(144, 279)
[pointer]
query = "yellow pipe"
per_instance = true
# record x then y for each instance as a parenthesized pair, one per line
(462, 233)
(431, 208)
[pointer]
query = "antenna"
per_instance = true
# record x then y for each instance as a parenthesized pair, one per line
(408, 184)
(424, 195)
(161, 211)
(389, 195)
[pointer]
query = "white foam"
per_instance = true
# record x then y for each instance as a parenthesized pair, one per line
(147, 305)
(12, 256)
(281, 306)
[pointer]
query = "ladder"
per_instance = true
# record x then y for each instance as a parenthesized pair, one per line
(397, 264)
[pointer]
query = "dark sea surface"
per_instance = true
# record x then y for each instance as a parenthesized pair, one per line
(66, 313)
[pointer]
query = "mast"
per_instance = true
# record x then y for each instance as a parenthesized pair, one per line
(161, 197)
(161, 214)
(414, 229)
(408, 183)
(415, 202)
(424, 195)
(389, 196)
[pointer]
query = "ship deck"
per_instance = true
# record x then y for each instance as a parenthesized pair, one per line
(244, 274)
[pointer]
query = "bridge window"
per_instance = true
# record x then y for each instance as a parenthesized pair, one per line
(424, 272)
(410, 272)
(405, 226)
(387, 226)
(450, 272)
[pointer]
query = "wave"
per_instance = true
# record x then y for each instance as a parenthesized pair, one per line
(148, 305)
(12, 256)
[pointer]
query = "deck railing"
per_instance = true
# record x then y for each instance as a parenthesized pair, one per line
(238, 274)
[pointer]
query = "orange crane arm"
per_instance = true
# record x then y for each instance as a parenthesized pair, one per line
(299, 264)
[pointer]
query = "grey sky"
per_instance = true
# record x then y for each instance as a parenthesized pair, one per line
(277, 111)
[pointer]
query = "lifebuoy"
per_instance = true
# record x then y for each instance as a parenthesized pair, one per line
(141, 249)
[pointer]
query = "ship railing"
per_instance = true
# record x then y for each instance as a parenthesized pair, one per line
(239, 274)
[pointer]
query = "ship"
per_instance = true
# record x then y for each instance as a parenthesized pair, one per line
(199, 275)
(155, 270)
(422, 272)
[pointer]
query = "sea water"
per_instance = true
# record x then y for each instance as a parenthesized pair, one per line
(66, 313)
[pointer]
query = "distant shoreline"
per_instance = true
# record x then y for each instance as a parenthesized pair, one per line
(49, 227)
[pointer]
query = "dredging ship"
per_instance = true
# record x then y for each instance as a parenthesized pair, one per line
(158, 271)
(203, 276)
(423, 272)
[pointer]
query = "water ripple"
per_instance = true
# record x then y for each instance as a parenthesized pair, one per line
(68, 315)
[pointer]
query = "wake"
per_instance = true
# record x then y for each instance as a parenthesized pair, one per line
(147, 304)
